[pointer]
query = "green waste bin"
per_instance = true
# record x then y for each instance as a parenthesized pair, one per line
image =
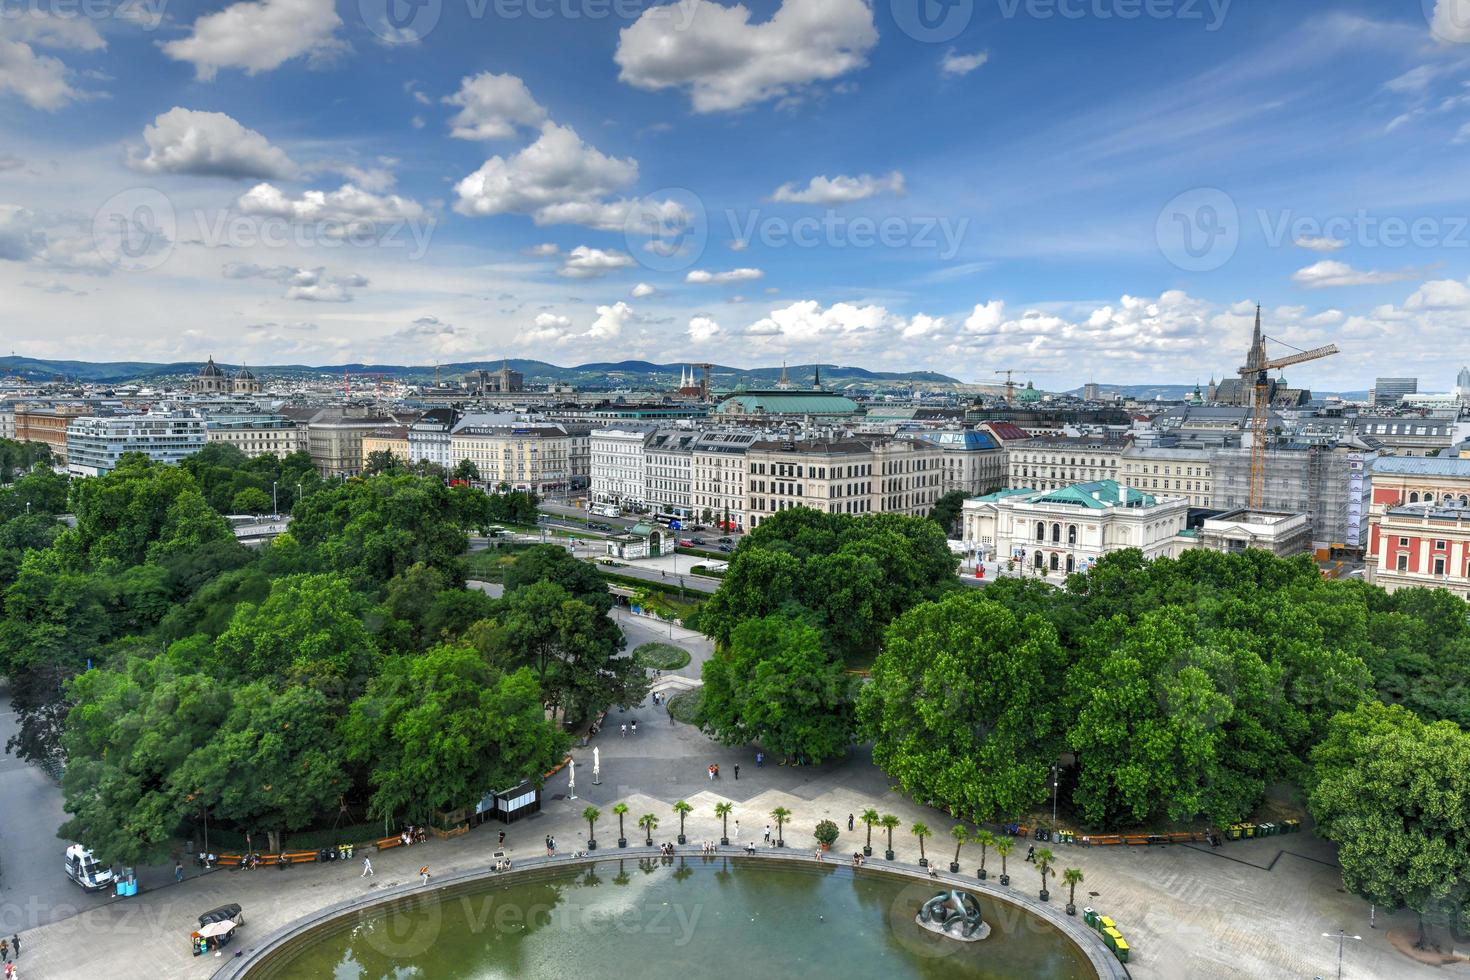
(1120, 948)
(1111, 937)
(1293, 826)
(1233, 832)
(1265, 829)
(1089, 916)
(1248, 829)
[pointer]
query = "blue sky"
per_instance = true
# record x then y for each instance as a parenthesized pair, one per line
(1083, 189)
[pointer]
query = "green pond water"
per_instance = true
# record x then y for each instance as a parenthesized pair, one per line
(673, 920)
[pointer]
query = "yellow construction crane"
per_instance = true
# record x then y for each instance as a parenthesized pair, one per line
(1257, 367)
(1011, 385)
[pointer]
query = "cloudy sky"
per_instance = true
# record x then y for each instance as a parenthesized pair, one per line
(1080, 189)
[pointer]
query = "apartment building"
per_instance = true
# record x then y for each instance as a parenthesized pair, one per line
(907, 476)
(831, 475)
(428, 437)
(523, 455)
(668, 470)
(619, 464)
(334, 440)
(972, 462)
(256, 435)
(717, 475)
(1174, 470)
(95, 443)
(48, 424)
(391, 439)
(1056, 462)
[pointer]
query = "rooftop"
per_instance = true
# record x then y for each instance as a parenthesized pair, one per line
(1097, 495)
(1422, 465)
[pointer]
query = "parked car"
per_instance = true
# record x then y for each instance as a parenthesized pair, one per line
(727, 547)
(697, 540)
(686, 542)
(727, 540)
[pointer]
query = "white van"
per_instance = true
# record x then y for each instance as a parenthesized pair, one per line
(83, 868)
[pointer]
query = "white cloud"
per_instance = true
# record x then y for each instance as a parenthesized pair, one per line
(208, 144)
(703, 329)
(610, 321)
(839, 189)
(431, 334)
(559, 179)
(44, 30)
(726, 62)
(259, 36)
(375, 179)
(347, 205)
(985, 316)
(1320, 243)
(42, 81)
(641, 290)
(544, 250)
(492, 107)
(307, 285)
(593, 263)
(703, 278)
(954, 63)
(1440, 294)
(1329, 273)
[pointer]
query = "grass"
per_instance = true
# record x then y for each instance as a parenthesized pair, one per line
(661, 656)
(685, 706)
(491, 564)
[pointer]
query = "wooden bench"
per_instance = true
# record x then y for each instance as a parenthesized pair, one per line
(1101, 839)
(291, 857)
(463, 828)
(388, 842)
(229, 860)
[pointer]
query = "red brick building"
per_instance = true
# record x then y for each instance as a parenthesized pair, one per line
(1419, 524)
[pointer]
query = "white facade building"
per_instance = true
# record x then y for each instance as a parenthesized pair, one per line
(429, 437)
(1057, 532)
(522, 455)
(668, 469)
(717, 475)
(95, 443)
(619, 465)
(256, 435)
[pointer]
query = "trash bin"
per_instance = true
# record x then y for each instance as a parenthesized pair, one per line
(1120, 948)
(1292, 826)
(1248, 829)
(1104, 923)
(1111, 937)
(1089, 916)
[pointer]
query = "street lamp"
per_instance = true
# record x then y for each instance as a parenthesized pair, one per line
(1342, 939)
(1055, 780)
(275, 507)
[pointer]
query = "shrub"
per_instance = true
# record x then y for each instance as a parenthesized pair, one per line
(826, 833)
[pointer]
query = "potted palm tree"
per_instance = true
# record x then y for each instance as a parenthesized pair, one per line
(986, 840)
(961, 838)
(649, 823)
(780, 815)
(590, 815)
(1044, 859)
(826, 834)
(921, 830)
(683, 809)
(722, 810)
(1072, 877)
(869, 817)
(1004, 846)
(621, 810)
(888, 822)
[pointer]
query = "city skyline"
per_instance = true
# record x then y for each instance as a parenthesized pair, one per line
(554, 187)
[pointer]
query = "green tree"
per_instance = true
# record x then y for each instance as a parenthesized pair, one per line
(621, 810)
(889, 822)
(441, 729)
(961, 707)
(381, 461)
(1387, 786)
(683, 809)
(723, 809)
(921, 830)
(869, 817)
(567, 643)
(466, 470)
(310, 626)
(780, 815)
(1044, 860)
(591, 814)
(1072, 877)
(1003, 847)
(986, 840)
(775, 684)
(947, 510)
(961, 838)
(648, 823)
(251, 500)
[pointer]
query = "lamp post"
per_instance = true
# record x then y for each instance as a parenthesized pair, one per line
(1342, 939)
(1055, 780)
(275, 507)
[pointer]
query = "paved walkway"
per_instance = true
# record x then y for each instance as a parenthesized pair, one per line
(1254, 909)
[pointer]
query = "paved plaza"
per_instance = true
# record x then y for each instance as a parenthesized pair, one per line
(1256, 909)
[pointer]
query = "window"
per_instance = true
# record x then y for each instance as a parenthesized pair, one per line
(1040, 531)
(1056, 537)
(1071, 537)
(1403, 542)
(1414, 497)
(1439, 566)
(1403, 563)
(1055, 563)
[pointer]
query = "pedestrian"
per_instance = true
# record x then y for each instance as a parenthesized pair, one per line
(737, 829)
(623, 729)
(553, 846)
(1031, 853)
(849, 821)
(15, 942)
(502, 838)
(635, 728)
(768, 833)
(737, 770)
(178, 871)
(367, 868)
(424, 874)
(760, 760)
(5, 950)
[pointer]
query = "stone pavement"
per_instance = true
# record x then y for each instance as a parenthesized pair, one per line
(1253, 909)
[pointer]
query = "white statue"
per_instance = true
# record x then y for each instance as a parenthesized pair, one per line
(572, 778)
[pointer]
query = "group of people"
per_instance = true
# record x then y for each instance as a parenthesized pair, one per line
(413, 835)
(624, 728)
(708, 847)
(550, 846)
(666, 849)
(714, 771)
(858, 859)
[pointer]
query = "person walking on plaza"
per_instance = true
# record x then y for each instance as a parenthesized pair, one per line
(768, 834)
(737, 770)
(424, 874)
(849, 821)
(367, 868)
(178, 871)
(15, 942)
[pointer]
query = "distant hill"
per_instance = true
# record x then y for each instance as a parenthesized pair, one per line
(614, 374)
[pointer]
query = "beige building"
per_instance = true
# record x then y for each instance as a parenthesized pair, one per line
(257, 435)
(908, 474)
(1053, 463)
(388, 439)
(1177, 471)
(718, 475)
(525, 456)
(334, 440)
(851, 475)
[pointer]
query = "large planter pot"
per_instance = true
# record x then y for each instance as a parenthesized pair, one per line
(982, 874)
(682, 840)
(724, 842)
(1071, 909)
(867, 851)
(591, 844)
(954, 867)
(780, 842)
(622, 842)
(1005, 880)
(888, 855)
(1045, 895)
(923, 862)
(648, 842)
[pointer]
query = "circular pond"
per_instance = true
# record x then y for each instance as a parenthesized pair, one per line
(655, 919)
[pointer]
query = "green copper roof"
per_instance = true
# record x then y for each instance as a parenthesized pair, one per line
(1002, 494)
(1097, 495)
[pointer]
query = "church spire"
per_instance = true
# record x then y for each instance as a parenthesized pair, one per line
(783, 383)
(817, 376)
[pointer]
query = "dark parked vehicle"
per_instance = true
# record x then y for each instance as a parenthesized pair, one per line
(727, 547)
(727, 540)
(697, 540)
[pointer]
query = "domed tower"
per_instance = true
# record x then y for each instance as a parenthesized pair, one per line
(245, 383)
(211, 380)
